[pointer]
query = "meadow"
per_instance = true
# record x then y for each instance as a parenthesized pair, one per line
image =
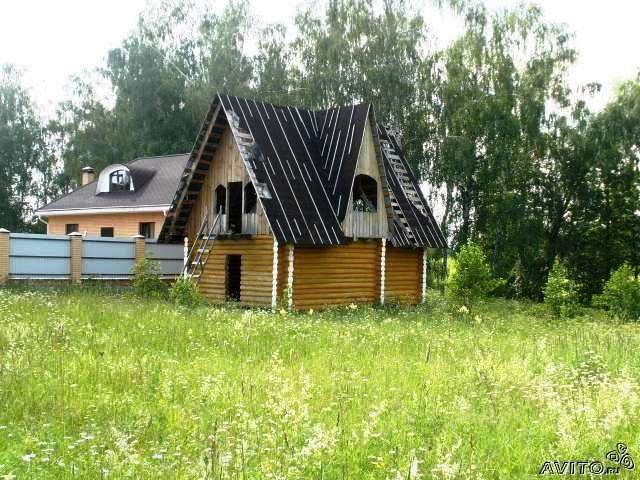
(98, 384)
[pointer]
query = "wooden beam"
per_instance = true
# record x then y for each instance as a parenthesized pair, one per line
(383, 253)
(424, 275)
(274, 281)
(290, 279)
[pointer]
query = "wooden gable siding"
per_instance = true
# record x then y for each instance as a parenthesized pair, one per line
(124, 224)
(403, 278)
(226, 166)
(255, 272)
(336, 275)
(364, 224)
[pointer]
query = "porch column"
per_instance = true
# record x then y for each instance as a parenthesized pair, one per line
(424, 274)
(274, 280)
(383, 255)
(290, 279)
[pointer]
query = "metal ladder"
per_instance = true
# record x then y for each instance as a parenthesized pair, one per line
(201, 248)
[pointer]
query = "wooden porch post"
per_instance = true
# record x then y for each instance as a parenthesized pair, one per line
(290, 279)
(424, 274)
(383, 260)
(185, 258)
(274, 280)
(4, 256)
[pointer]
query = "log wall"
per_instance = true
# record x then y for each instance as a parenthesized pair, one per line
(336, 275)
(256, 270)
(403, 279)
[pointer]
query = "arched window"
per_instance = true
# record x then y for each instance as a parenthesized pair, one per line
(365, 194)
(250, 198)
(119, 180)
(221, 200)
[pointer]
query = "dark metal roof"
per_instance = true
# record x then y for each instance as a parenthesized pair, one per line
(413, 222)
(302, 164)
(155, 180)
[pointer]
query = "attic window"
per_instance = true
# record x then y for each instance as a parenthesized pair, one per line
(221, 200)
(114, 178)
(365, 194)
(119, 181)
(250, 198)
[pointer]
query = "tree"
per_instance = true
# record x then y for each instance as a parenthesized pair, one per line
(488, 95)
(351, 53)
(21, 149)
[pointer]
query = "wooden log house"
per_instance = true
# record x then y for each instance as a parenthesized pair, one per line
(306, 208)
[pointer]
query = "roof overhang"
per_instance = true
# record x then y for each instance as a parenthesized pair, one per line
(103, 210)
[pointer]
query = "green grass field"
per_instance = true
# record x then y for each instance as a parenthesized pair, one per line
(99, 384)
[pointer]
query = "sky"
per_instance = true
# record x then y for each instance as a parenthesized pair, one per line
(52, 40)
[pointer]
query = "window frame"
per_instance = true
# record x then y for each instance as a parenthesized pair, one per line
(125, 180)
(69, 231)
(102, 230)
(249, 192)
(364, 198)
(151, 234)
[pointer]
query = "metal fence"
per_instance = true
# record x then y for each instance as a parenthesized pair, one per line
(39, 257)
(49, 257)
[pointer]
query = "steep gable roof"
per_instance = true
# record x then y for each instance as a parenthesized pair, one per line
(302, 164)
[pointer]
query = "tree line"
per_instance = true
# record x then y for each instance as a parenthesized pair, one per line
(509, 150)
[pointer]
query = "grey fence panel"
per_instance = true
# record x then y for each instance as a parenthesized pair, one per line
(35, 256)
(108, 257)
(169, 257)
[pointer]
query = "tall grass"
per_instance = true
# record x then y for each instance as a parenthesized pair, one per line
(96, 384)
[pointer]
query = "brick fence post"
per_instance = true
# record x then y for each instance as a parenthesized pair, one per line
(4, 256)
(140, 247)
(76, 256)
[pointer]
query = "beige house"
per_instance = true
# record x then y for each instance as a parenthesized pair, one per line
(124, 200)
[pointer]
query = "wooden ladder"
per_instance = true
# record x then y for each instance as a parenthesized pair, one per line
(201, 248)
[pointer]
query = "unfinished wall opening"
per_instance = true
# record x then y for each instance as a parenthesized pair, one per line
(233, 268)
(250, 198)
(220, 205)
(235, 207)
(365, 194)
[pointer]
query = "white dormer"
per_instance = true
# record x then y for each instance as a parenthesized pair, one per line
(115, 178)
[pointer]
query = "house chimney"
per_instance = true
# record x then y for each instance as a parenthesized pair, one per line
(88, 175)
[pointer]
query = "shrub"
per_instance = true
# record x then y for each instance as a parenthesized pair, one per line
(472, 278)
(560, 292)
(184, 292)
(621, 294)
(146, 279)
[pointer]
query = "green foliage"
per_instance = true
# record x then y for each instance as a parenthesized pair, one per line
(25, 169)
(532, 182)
(621, 294)
(560, 292)
(184, 292)
(471, 279)
(146, 281)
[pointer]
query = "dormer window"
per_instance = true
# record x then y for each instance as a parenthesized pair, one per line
(365, 194)
(119, 181)
(115, 178)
